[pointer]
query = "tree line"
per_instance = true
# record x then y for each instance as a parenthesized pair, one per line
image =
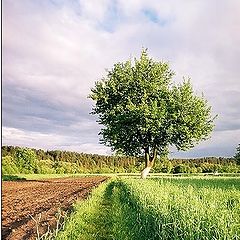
(25, 160)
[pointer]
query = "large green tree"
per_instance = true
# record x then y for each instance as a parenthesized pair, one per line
(143, 112)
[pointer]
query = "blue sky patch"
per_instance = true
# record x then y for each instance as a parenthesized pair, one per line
(112, 17)
(152, 16)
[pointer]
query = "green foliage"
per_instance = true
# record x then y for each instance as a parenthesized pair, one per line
(169, 208)
(26, 160)
(12, 178)
(72, 162)
(231, 168)
(46, 167)
(9, 165)
(199, 170)
(181, 169)
(237, 155)
(82, 222)
(164, 166)
(68, 167)
(60, 170)
(141, 108)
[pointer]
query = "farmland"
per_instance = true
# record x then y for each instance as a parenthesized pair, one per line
(165, 208)
(31, 207)
(123, 207)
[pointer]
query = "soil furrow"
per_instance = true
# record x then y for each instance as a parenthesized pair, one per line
(21, 200)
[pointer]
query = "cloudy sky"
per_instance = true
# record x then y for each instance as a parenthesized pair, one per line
(55, 50)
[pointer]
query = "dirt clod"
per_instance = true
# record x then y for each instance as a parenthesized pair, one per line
(28, 204)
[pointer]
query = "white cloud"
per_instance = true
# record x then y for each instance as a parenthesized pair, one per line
(26, 138)
(94, 10)
(13, 136)
(57, 51)
(222, 143)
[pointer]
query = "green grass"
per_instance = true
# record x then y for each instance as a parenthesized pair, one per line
(123, 175)
(12, 178)
(45, 176)
(163, 208)
(67, 175)
(205, 182)
(89, 219)
(190, 208)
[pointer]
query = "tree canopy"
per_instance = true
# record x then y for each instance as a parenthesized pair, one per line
(26, 159)
(237, 155)
(143, 111)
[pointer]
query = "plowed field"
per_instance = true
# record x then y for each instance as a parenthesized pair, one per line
(28, 204)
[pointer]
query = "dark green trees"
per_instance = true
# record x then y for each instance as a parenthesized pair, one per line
(237, 155)
(26, 160)
(143, 112)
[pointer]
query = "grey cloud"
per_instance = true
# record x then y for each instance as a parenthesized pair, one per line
(54, 51)
(220, 151)
(27, 110)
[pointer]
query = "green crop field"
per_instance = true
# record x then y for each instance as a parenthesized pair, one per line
(159, 208)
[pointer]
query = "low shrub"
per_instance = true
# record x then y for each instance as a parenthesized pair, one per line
(9, 166)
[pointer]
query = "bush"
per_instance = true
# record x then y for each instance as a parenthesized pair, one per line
(68, 167)
(193, 170)
(209, 167)
(12, 178)
(131, 169)
(60, 170)
(26, 160)
(9, 165)
(230, 168)
(46, 167)
(181, 168)
(199, 170)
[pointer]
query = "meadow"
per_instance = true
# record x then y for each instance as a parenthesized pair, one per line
(200, 207)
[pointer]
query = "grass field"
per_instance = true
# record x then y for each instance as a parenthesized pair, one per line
(14, 177)
(163, 206)
(159, 208)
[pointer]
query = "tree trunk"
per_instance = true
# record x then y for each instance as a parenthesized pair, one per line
(149, 162)
(145, 172)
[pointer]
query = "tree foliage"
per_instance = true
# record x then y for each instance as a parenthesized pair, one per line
(237, 155)
(72, 162)
(143, 111)
(26, 160)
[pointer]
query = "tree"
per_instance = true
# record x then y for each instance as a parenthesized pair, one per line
(143, 112)
(237, 155)
(26, 160)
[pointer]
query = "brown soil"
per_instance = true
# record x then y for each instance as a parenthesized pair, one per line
(28, 204)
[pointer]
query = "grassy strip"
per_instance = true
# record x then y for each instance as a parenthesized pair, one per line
(12, 178)
(110, 213)
(89, 221)
(44, 176)
(157, 209)
(122, 175)
(225, 182)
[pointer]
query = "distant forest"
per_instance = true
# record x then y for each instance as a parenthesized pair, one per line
(26, 160)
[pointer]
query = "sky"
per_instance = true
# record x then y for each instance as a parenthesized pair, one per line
(54, 51)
